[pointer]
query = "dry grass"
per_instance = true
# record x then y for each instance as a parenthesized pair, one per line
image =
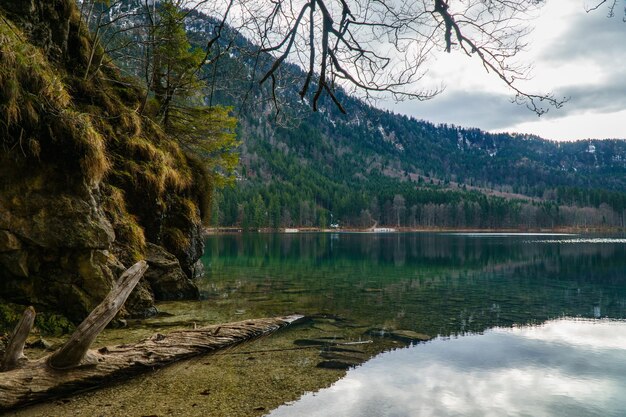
(190, 210)
(158, 164)
(204, 185)
(28, 83)
(88, 143)
(141, 148)
(131, 122)
(30, 89)
(129, 235)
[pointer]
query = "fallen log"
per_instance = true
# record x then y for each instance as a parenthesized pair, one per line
(74, 367)
(37, 381)
(74, 351)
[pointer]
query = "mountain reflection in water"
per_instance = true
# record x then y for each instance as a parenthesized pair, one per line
(565, 367)
(437, 284)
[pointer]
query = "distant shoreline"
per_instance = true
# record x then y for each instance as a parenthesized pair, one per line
(391, 229)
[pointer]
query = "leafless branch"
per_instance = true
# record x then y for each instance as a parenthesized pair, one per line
(377, 48)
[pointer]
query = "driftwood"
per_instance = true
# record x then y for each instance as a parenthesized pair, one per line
(36, 381)
(15, 349)
(75, 349)
(75, 368)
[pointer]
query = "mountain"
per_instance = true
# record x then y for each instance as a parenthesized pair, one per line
(369, 166)
(355, 167)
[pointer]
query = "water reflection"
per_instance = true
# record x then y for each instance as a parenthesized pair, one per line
(431, 283)
(563, 368)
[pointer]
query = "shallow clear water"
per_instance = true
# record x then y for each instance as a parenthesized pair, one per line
(454, 286)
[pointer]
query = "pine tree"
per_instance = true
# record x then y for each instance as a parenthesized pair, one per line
(205, 133)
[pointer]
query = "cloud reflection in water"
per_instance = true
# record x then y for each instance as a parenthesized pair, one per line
(562, 368)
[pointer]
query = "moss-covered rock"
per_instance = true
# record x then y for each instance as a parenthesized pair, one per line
(85, 181)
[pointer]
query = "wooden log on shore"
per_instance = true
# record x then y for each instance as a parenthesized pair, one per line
(37, 381)
(74, 351)
(74, 367)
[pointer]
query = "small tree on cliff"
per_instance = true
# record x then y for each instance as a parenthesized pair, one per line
(178, 92)
(174, 64)
(148, 39)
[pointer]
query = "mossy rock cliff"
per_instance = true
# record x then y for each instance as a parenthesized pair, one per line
(85, 181)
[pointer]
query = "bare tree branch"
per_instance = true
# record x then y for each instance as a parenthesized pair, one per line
(374, 48)
(381, 48)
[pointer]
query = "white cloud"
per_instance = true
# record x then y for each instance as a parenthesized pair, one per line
(576, 54)
(587, 125)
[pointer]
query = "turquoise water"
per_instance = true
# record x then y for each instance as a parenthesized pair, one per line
(439, 284)
(523, 325)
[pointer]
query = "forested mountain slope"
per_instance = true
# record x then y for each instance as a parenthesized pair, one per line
(300, 168)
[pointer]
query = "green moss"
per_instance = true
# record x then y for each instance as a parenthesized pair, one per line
(51, 324)
(47, 323)
(9, 316)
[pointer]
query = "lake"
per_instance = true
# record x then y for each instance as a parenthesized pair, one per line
(400, 324)
(438, 284)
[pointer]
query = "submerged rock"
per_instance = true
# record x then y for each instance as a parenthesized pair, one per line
(320, 341)
(406, 336)
(354, 358)
(409, 336)
(335, 364)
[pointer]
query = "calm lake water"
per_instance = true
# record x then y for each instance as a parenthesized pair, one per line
(415, 324)
(525, 325)
(437, 284)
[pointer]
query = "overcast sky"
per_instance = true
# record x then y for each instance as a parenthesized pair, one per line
(574, 54)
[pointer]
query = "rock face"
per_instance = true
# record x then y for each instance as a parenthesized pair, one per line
(81, 194)
(166, 277)
(54, 244)
(47, 23)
